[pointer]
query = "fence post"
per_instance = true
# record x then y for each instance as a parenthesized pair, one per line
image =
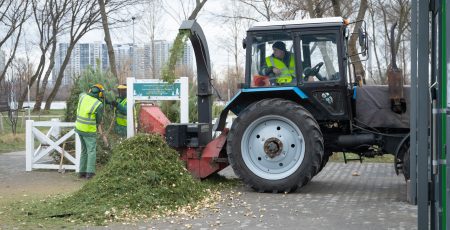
(130, 107)
(29, 144)
(77, 152)
(56, 130)
(1, 122)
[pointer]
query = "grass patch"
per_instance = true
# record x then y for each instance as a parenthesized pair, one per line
(11, 143)
(143, 178)
(53, 112)
(339, 157)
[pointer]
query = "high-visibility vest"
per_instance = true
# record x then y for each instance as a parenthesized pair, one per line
(287, 74)
(121, 119)
(86, 118)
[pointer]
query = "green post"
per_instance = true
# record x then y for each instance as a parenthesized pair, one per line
(443, 107)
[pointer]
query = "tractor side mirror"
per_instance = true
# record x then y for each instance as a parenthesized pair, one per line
(244, 43)
(361, 37)
(363, 43)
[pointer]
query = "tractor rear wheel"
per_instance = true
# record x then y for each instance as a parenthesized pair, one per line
(405, 165)
(275, 145)
(326, 157)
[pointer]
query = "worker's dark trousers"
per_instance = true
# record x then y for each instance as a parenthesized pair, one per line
(88, 153)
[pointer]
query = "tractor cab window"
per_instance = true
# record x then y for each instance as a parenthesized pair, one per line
(273, 61)
(319, 57)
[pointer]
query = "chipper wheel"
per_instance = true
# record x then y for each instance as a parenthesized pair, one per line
(275, 145)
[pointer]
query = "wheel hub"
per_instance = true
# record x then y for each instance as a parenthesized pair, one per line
(273, 147)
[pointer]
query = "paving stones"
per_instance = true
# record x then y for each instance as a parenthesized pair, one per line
(334, 199)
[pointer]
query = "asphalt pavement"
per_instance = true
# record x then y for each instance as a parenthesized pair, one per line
(367, 196)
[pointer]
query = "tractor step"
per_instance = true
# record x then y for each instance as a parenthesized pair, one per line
(346, 160)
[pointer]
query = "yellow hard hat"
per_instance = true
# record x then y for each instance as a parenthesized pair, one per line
(99, 86)
(122, 87)
(99, 91)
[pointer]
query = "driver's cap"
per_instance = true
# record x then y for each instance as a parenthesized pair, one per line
(279, 45)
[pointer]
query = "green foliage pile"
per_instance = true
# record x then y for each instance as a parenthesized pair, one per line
(143, 177)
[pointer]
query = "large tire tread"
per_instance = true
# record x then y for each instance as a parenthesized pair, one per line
(312, 160)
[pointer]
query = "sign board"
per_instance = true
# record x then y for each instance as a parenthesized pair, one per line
(141, 90)
(156, 91)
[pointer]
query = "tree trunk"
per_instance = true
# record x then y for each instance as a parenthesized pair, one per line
(356, 61)
(197, 9)
(41, 93)
(111, 55)
(336, 8)
(13, 54)
(329, 67)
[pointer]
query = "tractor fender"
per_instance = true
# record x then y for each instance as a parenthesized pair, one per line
(399, 146)
(398, 153)
(246, 97)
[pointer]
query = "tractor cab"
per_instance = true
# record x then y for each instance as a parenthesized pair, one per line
(309, 55)
(316, 57)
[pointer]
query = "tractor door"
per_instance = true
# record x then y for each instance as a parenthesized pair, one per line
(322, 69)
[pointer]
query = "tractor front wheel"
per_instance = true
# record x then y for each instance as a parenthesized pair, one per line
(275, 145)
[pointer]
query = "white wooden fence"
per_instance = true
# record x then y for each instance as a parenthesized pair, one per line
(49, 142)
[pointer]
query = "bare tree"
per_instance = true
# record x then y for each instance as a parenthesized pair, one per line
(385, 13)
(111, 56)
(52, 12)
(43, 26)
(261, 7)
(13, 15)
(83, 16)
(374, 42)
(23, 70)
(187, 10)
(235, 24)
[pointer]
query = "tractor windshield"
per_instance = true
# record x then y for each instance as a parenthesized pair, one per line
(273, 59)
(319, 57)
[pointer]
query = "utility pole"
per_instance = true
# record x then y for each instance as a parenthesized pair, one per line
(228, 76)
(133, 68)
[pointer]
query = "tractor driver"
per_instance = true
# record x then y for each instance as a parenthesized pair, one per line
(280, 66)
